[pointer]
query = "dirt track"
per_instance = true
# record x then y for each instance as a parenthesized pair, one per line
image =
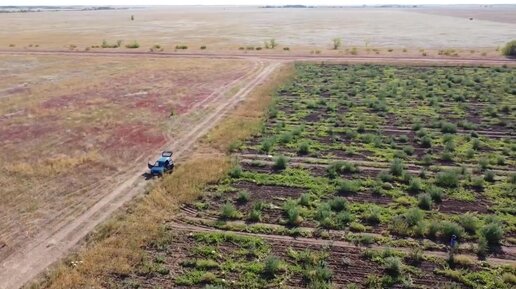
(26, 263)
(429, 60)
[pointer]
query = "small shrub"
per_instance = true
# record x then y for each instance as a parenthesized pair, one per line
(424, 201)
(414, 216)
(337, 43)
(229, 212)
(272, 266)
(483, 164)
(509, 49)
(392, 266)
(493, 233)
(435, 193)
(347, 187)
(255, 216)
(415, 185)
(447, 179)
(469, 223)
(181, 47)
(203, 47)
(235, 172)
(280, 163)
(372, 214)
(338, 204)
(132, 45)
(286, 48)
(426, 142)
(482, 248)
(305, 200)
(448, 229)
(427, 160)
(397, 167)
(448, 127)
(243, 197)
(357, 227)
(266, 145)
(304, 148)
(489, 176)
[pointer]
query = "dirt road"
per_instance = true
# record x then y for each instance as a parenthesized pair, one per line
(428, 60)
(35, 257)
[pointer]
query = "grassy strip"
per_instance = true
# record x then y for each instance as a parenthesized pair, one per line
(116, 247)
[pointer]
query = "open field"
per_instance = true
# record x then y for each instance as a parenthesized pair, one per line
(369, 158)
(358, 179)
(66, 142)
(228, 28)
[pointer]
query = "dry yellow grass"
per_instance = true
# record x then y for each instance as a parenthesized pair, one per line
(116, 246)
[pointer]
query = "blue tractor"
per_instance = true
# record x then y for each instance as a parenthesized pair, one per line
(163, 165)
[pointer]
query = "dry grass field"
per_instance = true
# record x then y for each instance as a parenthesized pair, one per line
(233, 27)
(70, 128)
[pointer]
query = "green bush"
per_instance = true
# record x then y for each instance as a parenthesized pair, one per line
(305, 200)
(489, 176)
(280, 163)
(255, 216)
(426, 142)
(493, 233)
(266, 145)
(448, 127)
(243, 197)
(347, 187)
(447, 179)
(435, 193)
(271, 267)
(235, 172)
(304, 148)
(397, 167)
(469, 223)
(414, 216)
(373, 214)
(509, 49)
(424, 201)
(392, 266)
(229, 211)
(482, 248)
(415, 185)
(448, 229)
(339, 204)
(133, 44)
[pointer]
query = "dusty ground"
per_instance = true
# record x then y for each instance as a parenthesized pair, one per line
(497, 13)
(65, 141)
(233, 27)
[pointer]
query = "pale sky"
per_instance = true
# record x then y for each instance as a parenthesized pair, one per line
(245, 2)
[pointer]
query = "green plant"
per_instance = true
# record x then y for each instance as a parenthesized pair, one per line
(392, 266)
(415, 185)
(271, 267)
(181, 47)
(372, 214)
(469, 222)
(229, 211)
(337, 43)
(447, 179)
(424, 201)
(338, 204)
(304, 148)
(492, 233)
(255, 215)
(482, 248)
(132, 45)
(266, 145)
(235, 172)
(489, 176)
(414, 216)
(435, 193)
(280, 163)
(447, 127)
(509, 49)
(397, 167)
(243, 197)
(203, 47)
(448, 229)
(347, 187)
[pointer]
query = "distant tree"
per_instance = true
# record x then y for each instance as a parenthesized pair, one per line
(270, 44)
(510, 49)
(337, 43)
(132, 17)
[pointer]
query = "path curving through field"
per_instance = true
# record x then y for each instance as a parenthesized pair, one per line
(33, 258)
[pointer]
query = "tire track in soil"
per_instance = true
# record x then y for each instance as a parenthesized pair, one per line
(22, 266)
